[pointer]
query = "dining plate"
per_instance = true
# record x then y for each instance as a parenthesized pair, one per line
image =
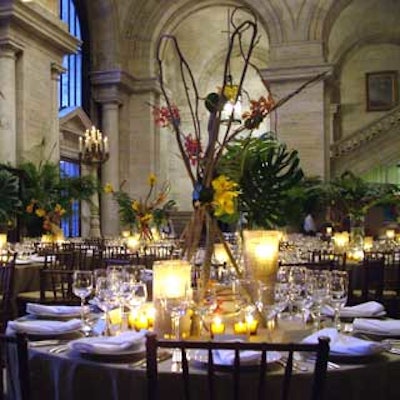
(123, 356)
(200, 357)
(20, 261)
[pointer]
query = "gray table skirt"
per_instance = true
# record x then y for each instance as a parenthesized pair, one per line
(69, 377)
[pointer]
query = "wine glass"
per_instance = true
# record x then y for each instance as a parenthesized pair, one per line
(297, 288)
(338, 294)
(319, 289)
(82, 287)
(107, 298)
(138, 294)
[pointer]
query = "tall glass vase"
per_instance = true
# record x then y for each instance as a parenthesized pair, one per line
(357, 231)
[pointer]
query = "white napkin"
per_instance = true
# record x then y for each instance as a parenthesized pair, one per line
(390, 327)
(368, 309)
(227, 357)
(53, 310)
(43, 327)
(109, 344)
(344, 345)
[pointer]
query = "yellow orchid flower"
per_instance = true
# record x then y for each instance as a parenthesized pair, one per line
(135, 205)
(152, 179)
(146, 218)
(223, 184)
(59, 210)
(230, 92)
(108, 188)
(40, 212)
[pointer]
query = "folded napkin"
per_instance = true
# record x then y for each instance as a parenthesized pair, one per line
(368, 309)
(43, 327)
(390, 327)
(227, 357)
(344, 345)
(53, 310)
(110, 344)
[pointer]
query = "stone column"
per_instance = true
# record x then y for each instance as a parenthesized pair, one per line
(110, 170)
(8, 136)
(303, 121)
(54, 134)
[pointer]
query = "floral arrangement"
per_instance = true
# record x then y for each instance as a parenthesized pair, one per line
(51, 216)
(141, 214)
(48, 196)
(214, 195)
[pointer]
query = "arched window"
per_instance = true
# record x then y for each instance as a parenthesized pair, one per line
(70, 90)
(72, 94)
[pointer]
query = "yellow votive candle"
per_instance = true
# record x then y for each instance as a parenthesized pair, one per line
(251, 325)
(115, 316)
(141, 322)
(240, 328)
(151, 314)
(217, 326)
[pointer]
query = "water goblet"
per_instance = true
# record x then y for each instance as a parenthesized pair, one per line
(139, 294)
(319, 289)
(107, 298)
(82, 287)
(338, 294)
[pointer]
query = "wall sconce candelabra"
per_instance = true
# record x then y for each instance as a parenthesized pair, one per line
(94, 151)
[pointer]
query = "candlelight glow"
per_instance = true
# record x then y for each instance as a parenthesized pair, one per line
(3, 241)
(261, 249)
(390, 234)
(171, 279)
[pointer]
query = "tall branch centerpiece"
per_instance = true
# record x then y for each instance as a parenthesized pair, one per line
(214, 194)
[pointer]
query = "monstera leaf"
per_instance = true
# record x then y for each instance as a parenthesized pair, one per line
(265, 171)
(9, 195)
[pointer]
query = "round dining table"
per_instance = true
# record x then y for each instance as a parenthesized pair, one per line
(62, 374)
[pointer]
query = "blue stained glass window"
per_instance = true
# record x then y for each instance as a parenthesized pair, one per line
(70, 85)
(71, 224)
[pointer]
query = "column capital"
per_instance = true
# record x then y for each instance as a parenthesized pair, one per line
(10, 47)
(296, 73)
(124, 81)
(56, 70)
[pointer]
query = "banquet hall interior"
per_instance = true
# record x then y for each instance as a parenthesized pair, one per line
(140, 132)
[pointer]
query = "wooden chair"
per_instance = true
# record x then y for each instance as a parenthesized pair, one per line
(371, 275)
(7, 268)
(213, 374)
(336, 260)
(55, 281)
(14, 356)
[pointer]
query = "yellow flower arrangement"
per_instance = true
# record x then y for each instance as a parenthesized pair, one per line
(224, 196)
(51, 215)
(141, 214)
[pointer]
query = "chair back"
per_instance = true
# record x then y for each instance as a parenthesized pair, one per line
(373, 277)
(238, 373)
(7, 269)
(14, 356)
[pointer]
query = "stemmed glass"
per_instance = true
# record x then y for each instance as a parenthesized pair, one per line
(338, 294)
(319, 289)
(139, 294)
(82, 287)
(297, 288)
(107, 298)
(205, 302)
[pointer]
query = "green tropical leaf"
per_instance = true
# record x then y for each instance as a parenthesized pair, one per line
(9, 195)
(266, 171)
